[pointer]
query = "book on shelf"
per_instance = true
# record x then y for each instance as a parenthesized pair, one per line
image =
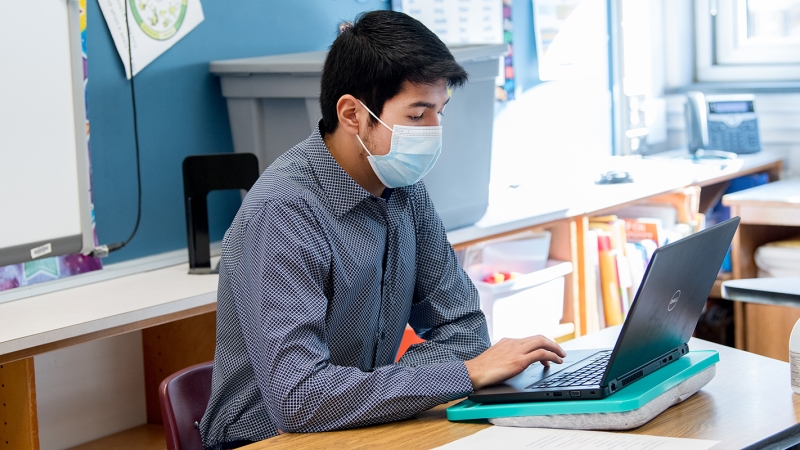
(594, 299)
(658, 222)
(649, 221)
(637, 261)
(624, 281)
(615, 227)
(612, 303)
(640, 229)
(624, 244)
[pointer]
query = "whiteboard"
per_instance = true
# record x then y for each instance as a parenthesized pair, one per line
(44, 177)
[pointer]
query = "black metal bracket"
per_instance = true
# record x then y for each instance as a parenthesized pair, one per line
(201, 175)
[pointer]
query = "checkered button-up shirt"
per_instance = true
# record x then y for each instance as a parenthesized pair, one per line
(318, 279)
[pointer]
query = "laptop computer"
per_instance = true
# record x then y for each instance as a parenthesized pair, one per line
(660, 322)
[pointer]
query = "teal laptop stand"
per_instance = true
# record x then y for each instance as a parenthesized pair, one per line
(631, 398)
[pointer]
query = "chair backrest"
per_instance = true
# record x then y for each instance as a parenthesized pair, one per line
(183, 397)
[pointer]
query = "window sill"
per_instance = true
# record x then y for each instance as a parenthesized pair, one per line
(738, 87)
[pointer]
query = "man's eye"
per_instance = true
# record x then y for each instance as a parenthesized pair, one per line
(415, 117)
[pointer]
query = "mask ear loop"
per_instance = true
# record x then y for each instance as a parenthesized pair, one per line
(362, 144)
(376, 117)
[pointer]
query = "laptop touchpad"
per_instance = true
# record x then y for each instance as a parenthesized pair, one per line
(537, 371)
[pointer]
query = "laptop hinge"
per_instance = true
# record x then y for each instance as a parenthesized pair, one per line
(646, 369)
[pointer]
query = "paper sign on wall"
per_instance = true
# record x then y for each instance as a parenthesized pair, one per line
(571, 38)
(155, 26)
(460, 21)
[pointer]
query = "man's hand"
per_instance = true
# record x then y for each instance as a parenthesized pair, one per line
(509, 357)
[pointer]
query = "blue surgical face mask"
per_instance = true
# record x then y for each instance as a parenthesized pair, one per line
(413, 153)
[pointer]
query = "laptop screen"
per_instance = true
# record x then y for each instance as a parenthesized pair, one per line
(670, 298)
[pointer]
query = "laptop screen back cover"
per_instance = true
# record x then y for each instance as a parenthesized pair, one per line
(670, 298)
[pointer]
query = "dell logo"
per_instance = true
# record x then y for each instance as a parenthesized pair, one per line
(674, 300)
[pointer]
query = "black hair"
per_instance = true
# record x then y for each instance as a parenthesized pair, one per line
(373, 57)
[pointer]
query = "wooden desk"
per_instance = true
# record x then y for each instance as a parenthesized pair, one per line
(729, 409)
(769, 213)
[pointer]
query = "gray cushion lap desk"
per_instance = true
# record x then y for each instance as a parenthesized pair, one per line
(615, 420)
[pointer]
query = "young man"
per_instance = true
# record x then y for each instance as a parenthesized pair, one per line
(337, 246)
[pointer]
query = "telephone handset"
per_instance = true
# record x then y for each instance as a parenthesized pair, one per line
(721, 122)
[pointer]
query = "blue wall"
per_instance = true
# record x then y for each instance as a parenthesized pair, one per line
(182, 112)
(526, 65)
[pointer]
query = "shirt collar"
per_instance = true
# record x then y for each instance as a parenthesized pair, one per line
(342, 191)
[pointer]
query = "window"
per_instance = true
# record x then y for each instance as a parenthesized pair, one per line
(748, 40)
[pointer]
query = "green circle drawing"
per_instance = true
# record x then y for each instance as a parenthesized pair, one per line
(159, 19)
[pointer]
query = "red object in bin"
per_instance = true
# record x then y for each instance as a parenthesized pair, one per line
(499, 277)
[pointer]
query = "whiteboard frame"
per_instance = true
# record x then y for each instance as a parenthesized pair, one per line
(84, 242)
(81, 121)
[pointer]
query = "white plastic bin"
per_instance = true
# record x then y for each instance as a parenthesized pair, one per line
(527, 305)
(530, 303)
(523, 256)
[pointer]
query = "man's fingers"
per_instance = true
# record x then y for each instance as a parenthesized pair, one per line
(543, 356)
(536, 342)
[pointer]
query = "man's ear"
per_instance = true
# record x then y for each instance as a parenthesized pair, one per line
(350, 114)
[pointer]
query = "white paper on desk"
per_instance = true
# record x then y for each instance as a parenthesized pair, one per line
(155, 25)
(545, 438)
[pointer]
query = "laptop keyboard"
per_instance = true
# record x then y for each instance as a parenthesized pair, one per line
(587, 375)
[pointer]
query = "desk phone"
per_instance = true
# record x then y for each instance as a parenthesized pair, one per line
(722, 122)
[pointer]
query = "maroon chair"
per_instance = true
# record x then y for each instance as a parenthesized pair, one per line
(183, 397)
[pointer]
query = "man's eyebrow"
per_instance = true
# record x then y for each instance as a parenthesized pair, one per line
(422, 104)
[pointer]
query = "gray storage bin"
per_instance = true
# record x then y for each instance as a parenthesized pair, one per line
(273, 103)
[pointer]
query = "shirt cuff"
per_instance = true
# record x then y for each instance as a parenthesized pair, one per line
(457, 372)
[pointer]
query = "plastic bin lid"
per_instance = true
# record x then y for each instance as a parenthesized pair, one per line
(310, 63)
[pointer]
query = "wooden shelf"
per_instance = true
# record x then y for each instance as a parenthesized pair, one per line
(143, 437)
(716, 290)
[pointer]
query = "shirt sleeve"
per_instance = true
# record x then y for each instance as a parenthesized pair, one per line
(281, 302)
(446, 310)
